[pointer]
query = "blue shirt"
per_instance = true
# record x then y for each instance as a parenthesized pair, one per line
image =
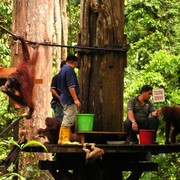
(54, 85)
(67, 79)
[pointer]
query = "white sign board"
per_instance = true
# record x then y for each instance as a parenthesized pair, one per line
(158, 95)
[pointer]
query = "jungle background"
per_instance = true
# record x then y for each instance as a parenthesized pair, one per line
(153, 31)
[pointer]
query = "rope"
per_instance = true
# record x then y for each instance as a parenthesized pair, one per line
(14, 36)
(117, 48)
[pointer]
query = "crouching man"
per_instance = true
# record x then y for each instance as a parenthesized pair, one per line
(138, 110)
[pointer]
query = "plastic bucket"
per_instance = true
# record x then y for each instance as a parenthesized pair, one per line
(146, 136)
(85, 122)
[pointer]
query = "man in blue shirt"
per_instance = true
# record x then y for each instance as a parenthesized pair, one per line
(69, 98)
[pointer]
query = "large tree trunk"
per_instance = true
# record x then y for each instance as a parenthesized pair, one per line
(64, 28)
(34, 20)
(101, 73)
(58, 33)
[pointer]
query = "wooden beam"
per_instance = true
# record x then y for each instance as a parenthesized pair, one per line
(38, 81)
(120, 149)
(108, 133)
(107, 168)
(126, 166)
(5, 72)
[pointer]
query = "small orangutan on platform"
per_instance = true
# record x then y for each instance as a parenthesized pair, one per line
(22, 80)
(171, 118)
(51, 131)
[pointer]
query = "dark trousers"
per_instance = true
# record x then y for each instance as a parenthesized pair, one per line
(150, 123)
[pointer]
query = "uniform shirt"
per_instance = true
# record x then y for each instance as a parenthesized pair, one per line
(67, 79)
(141, 111)
(54, 85)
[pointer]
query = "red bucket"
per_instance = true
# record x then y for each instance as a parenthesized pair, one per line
(146, 136)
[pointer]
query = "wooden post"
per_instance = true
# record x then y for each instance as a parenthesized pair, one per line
(101, 74)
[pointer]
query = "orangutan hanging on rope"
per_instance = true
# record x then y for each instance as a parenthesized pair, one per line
(22, 80)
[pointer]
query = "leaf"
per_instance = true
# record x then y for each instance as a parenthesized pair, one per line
(14, 143)
(29, 143)
(9, 176)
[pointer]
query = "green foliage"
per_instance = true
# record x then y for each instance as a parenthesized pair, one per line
(29, 143)
(168, 67)
(10, 176)
(5, 146)
(161, 72)
(6, 12)
(168, 165)
(5, 21)
(4, 52)
(73, 12)
(6, 112)
(152, 28)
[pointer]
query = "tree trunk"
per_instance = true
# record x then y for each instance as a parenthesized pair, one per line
(101, 74)
(64, 28)
(58, 33)
(34, 20)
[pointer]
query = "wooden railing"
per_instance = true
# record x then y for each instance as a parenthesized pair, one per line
(13, 154)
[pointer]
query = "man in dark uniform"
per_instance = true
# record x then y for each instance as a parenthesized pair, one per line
(69, 98)
(55, 90)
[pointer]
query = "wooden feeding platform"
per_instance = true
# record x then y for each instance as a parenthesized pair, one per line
(115, 160)
(117, 157)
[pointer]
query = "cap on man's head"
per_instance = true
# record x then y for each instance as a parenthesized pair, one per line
(72, 58)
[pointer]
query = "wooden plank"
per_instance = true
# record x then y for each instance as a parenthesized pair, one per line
(102, 132)
(107, 168)
(114, 149)
(5, 72)
(84, 133)
(38, 81)
(125, 166)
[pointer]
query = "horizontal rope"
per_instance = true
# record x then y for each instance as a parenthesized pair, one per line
(119, 48)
